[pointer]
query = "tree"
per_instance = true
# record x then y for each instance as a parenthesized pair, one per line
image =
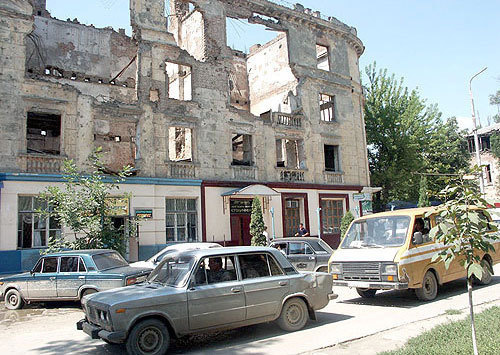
(257, 224)
(83, 206)
(495, 100)
(346, 220)
(423, 199)
(464, 229)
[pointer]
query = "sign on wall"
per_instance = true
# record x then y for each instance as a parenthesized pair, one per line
(117, 206)
(240, 206)
(144, 213)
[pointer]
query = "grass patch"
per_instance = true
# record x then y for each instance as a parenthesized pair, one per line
(455, 337)
(452, 312)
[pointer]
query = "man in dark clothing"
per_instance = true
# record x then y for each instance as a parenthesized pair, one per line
(302, 231)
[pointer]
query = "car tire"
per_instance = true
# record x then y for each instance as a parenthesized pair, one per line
(366, 292)
(13, 299)
(293, 315)
(487, 276)
(149, 337)
(429, 288)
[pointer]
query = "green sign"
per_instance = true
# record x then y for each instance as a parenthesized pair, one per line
(366, 207)
(144, 213)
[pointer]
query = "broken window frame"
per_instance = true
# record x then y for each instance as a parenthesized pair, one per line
(332, 160)
(322, 57)
(34, 123)
(175, 141)
(282, 156)
(327, 107)
(247, 158)
(183, 92)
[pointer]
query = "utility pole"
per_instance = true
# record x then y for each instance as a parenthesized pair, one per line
(474, 126)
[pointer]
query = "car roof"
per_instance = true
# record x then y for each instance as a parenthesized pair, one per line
(90, 252)
(229, 250)
(296, 239)
(404, 212)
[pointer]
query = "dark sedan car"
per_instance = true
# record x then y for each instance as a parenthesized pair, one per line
(69, 276)
(305, 253)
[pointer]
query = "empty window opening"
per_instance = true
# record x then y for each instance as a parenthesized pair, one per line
(471, 145)
(241, 34)
(323, 61)
(242, 149)
(180, 144)
(485, 143)
(327, 107)
(43, 133)
(487, 170)
(290, 153)
(179, 81)
(332, 158)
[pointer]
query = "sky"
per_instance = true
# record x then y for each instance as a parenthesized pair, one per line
(436, 46)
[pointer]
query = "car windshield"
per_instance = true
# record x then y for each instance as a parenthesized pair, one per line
(320, 247)
(155, 259)
(174, 270)
(378, 232)
(109, 260)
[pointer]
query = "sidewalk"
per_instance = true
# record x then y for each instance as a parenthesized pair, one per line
(395, 338)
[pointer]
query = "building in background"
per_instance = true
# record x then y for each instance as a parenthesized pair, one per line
(206, 127)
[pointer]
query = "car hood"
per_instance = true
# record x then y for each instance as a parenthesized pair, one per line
(365, 254)
(140, 295)
(128, 270)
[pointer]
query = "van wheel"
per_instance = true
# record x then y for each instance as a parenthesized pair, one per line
(366, 292)
(429, 288)
(293, 315)
(13, 299)
(486, 277)
(148, 337)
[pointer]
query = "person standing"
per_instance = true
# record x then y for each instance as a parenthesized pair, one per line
(303, 232)
(266, 234)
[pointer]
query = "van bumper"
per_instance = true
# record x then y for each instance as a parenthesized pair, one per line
(374, 285)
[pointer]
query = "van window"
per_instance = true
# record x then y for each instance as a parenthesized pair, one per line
(377, 232)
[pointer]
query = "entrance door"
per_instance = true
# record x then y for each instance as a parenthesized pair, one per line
(292, 217)
(240, 229)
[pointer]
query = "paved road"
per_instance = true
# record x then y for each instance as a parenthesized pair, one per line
(50, 329)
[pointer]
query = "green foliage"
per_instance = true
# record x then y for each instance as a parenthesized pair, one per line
(495, 144)
(82, 206)
(495, 100)
(405, 137)
(455, 338)
(463, 225)
(257, 224)
(423, 198)
(346, 220)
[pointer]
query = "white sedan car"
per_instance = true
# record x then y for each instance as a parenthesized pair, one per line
(155, 259)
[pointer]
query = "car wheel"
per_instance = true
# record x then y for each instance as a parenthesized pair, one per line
(429, 288)
(486, 277)
(366, 292)
(148, 337)
(293, 315)
(13, 299)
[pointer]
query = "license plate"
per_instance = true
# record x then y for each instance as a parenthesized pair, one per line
(362, 284)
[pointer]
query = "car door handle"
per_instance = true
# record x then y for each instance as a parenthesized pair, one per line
(236, 290)
(52, 278)
(312, 258)
(283, 283)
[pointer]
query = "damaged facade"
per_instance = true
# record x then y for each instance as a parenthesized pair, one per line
(196, 119)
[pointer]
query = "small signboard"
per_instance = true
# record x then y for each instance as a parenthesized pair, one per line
(240, 206)
(358, 197)
(117, 206)
(367, 207)
(144, 213)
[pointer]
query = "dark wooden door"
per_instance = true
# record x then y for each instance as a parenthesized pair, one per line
(240, 229)
(292, 217)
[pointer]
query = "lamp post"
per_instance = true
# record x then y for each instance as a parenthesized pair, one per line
(474, 126)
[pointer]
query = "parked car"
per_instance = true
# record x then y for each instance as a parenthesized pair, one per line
(305, 253)
(206, 289)
(68, 276)
(155, 259)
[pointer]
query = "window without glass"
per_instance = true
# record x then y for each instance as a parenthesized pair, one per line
(33, 228)
(487, 171)
(327, 107)
(242, 149)
(290, 153)
(181, 220)
(484, 142)
(471, 145)
(332, 158)
(322, 57)
(179, 81)
(43, 133)
(180, 144)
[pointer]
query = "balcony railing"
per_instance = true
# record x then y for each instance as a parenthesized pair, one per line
(182, 170)
(290, 175)
(286, 119)
(241, 172)
(334, 177)
(32, 163)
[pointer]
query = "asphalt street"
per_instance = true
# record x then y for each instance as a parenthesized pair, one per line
(348, 321)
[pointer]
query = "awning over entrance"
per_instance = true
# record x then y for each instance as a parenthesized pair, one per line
(256, 190)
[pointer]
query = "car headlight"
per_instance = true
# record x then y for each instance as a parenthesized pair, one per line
(389, 269)
(335, 268)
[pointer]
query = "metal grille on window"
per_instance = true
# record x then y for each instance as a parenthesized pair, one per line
(181, 220)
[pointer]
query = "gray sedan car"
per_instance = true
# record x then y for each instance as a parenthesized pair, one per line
(68, 276)
(305, 253)
(207, 289)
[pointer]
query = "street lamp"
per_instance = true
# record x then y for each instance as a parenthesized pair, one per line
(474, 126)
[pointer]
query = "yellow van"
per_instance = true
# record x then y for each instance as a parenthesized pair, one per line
(393, 251)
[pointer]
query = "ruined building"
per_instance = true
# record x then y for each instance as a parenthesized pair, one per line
(205, 127)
